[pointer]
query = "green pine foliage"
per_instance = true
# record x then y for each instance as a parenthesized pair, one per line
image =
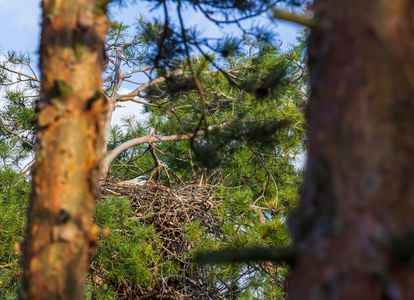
(130, 253)
(257, 130)
(14, 195)
(253, 100)
(19, 87)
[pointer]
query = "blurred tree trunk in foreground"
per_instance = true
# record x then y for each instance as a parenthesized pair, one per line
(72, 110)
(355, 225)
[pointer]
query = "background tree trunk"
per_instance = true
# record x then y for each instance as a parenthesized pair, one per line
(72, 109)
(358, 199)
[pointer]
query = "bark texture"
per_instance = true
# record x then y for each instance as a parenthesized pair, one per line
(72, 111)
(357, 208)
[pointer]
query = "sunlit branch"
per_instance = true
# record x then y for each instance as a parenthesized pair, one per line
(137, 91)
(20, 74)
(110, 156)
(294, 18)
(15, 134)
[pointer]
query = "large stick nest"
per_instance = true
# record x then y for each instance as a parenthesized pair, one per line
(169, 210)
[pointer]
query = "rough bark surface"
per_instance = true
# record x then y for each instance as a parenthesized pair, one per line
(358, 199)
(72, 111)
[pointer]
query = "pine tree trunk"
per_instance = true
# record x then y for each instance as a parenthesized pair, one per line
(358, 200)
(72, 109)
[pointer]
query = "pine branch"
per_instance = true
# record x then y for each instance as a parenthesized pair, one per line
(287, 255)
(137, 91)
(20, 73)
(150, 138)
(15, 134)
(257, 154)
(294, 18)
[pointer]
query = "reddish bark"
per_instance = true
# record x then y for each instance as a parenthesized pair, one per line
(72, 111)
(358, 198)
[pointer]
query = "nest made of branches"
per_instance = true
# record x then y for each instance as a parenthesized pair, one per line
(170, 210)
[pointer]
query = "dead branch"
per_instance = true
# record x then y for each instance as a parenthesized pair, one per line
(150, 138)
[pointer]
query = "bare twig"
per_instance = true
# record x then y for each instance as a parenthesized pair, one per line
(182, 204)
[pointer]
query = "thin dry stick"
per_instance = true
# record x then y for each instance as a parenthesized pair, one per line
(182, 204)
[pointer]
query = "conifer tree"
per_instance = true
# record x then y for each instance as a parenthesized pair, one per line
(354, 230)
(209, 101)
(60, 232)
(255, 178)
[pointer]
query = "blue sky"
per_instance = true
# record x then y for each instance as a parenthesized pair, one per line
(20, 23)
(21, 19)
(20, 30)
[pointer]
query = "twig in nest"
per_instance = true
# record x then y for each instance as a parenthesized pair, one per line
(182, 203)
(112, 192)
